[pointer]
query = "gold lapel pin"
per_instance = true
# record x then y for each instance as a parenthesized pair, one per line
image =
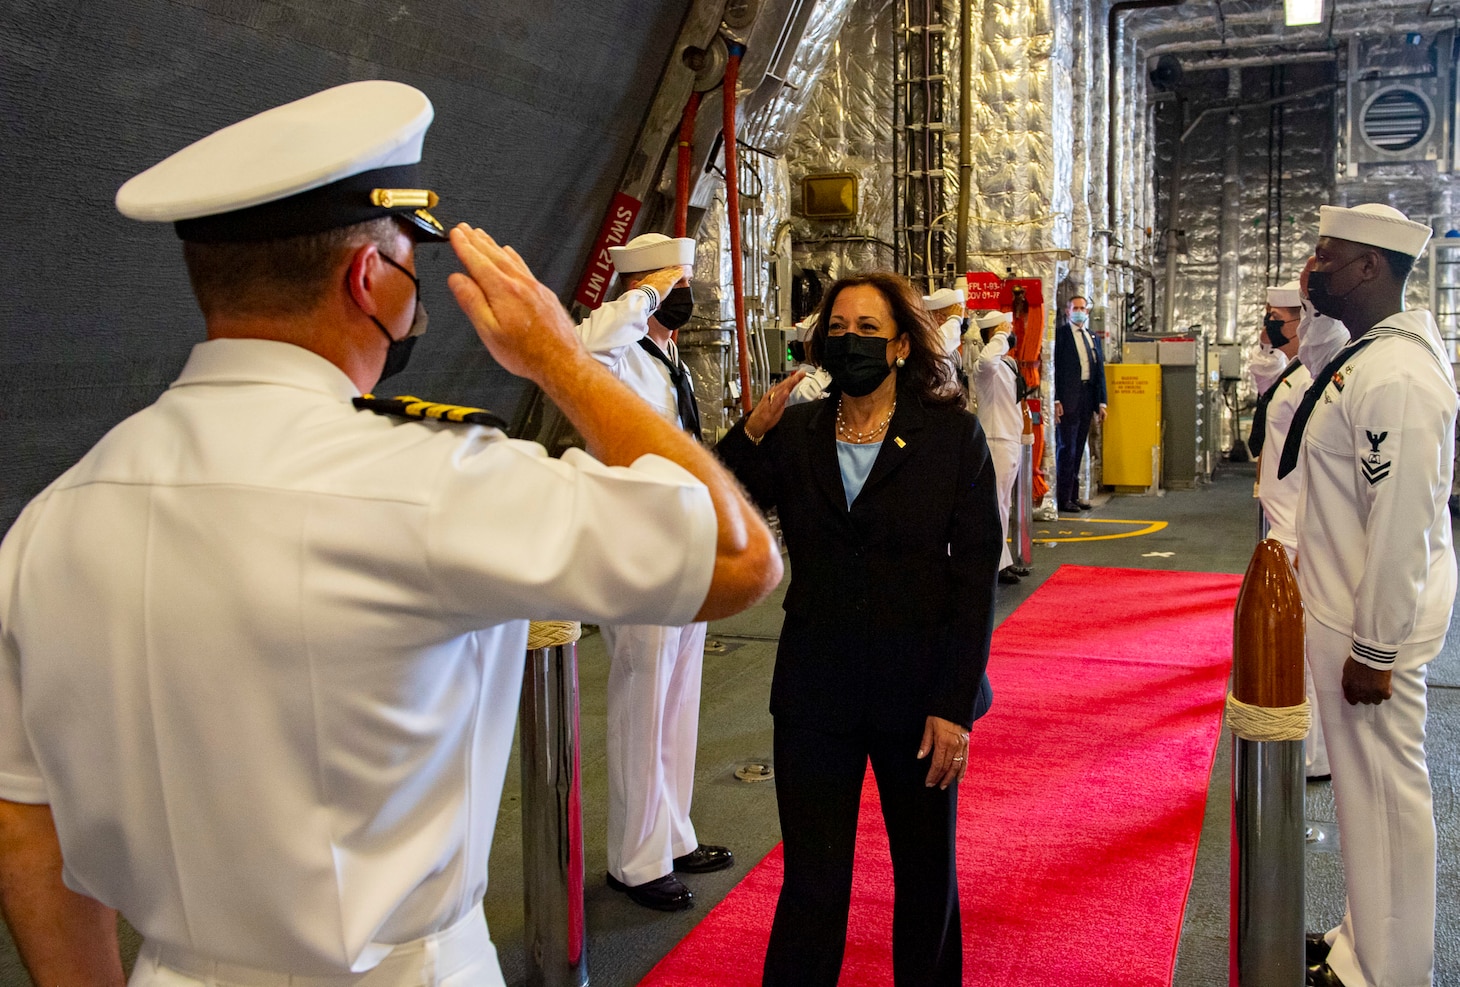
(900, 444)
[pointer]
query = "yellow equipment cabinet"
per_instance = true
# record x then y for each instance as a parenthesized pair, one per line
(1132, 430)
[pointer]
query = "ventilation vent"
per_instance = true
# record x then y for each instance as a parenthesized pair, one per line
(1396, 119)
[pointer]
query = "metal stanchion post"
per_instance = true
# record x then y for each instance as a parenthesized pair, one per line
(1021, 537)
(552, 817)
(1268, 715)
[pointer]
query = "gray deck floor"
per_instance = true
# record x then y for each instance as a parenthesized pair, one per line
(1209, 529)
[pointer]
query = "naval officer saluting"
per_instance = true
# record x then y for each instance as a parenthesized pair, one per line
(1375, 438)
(275, 736)
(654, 681)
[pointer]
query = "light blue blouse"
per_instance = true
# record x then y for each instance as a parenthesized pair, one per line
(856, 462)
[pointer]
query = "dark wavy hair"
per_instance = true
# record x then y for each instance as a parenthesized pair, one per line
(930, 372)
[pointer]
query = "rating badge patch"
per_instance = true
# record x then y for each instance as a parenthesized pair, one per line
(1374, 466)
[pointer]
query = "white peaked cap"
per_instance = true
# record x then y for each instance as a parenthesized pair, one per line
(652, 252)
(943, 298)
(323, 154)
(993, 319)
(1286, 296)
(806, 327)
(1375, 226)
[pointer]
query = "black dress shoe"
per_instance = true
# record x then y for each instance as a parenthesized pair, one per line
(1070, 507)
(1021, 570)
(665, 894)
(1322, 975)
(704, 858)
(1315, 948)
(1008, 576)
(1080, 505)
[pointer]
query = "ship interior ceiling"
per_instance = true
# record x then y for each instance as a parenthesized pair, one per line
(1165, 159)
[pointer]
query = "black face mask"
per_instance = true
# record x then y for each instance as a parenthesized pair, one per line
(676, 308)
(1320, 291)
(1274, 328)
(857, 364)
(398, 352)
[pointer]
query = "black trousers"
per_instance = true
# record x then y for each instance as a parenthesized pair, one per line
(818, 791)
(1071, 434)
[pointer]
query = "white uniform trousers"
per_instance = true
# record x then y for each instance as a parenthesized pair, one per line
(1005, 454)
(1315, 752)
(1386, 822)
(459, 956)
(653, 729)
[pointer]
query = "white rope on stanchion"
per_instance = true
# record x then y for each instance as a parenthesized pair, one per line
(1262, 723)
(551, 633)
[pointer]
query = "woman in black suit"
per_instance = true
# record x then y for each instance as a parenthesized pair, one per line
(886, 496)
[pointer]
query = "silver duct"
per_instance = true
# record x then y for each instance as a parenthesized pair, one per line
(1229, 240)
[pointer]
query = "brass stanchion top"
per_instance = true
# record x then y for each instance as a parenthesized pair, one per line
(1267, 638)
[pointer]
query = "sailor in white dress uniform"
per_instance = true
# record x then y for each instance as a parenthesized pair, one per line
(1378, 584)
(654, 680)
(1278, 395)
(996, 382)
(275, 735)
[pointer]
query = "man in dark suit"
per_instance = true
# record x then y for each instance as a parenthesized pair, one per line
(1079, 396)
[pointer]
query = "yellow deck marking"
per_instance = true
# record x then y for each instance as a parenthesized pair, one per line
(1043, 534)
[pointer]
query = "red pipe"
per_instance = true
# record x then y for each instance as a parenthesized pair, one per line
(732, 206)
(681, 174)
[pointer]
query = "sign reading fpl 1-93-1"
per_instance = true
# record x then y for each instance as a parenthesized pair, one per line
(615, 232)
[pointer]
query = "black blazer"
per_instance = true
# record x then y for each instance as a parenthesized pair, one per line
(1067, 390)
(890, 609)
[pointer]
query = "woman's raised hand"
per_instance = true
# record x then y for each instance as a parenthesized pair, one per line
(768, 413)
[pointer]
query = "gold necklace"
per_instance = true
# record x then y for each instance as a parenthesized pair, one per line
(849, 434)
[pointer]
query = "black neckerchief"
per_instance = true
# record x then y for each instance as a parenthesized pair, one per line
(689, 411)
(1258, 436)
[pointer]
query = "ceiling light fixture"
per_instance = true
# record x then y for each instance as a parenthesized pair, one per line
(1303, 12)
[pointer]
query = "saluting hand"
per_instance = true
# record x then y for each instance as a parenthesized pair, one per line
(768, 412)
(1362, 684)
(517, 317)
(947, 742)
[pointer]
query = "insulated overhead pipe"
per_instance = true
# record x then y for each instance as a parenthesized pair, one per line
(732, 209)
(1268, 714)
(1112, 28)
(965, 132)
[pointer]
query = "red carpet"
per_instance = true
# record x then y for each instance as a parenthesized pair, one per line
(1081, 811)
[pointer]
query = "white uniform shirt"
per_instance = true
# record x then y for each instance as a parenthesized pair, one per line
(612, 333)
(997, 387)
(951, 332)
(1373, 521)
(262, 652)
(1266, 365)
(812, 387)
(1280, 497)
(1319, 338)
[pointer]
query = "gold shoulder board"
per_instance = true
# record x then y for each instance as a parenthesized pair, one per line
(406, 406)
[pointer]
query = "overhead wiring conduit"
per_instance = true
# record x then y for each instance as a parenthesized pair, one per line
(732, 209)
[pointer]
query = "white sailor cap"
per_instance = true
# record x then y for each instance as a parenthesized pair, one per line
(806, 327)
(993, 320)
(343, 156)
(652, 252)
(1376, 226)
(943, 298)
(1286, 296)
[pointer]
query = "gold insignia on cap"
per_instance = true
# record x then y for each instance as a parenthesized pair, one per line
(391, 198)
(435, 223)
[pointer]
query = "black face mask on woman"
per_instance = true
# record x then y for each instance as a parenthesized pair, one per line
(676, 308)
(857, 364)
